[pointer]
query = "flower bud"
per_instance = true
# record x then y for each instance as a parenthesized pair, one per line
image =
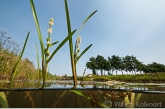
(48, 39)
(77, 45)
(50, 23)
(79, 39)
(51, 20)
(78, 50)
(48, 44)
(49, 30)
(47, 53)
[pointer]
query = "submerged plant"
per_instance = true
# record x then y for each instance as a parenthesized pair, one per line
(46, 56)
(3, 100)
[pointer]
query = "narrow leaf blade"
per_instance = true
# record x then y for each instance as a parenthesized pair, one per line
(83, 52)
(61, 44)
(37, 26)
(86, 21)
(17, 64)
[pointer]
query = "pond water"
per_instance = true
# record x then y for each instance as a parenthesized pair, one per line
(109, 85)
(89, 94)
(68, 84)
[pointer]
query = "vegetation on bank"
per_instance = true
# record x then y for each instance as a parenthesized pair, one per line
(9, 53)
(144, 78)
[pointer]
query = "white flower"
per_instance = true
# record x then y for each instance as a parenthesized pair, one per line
(79, 39)
(77, 45)
(51, 20)
(49, 30)
(50, 23)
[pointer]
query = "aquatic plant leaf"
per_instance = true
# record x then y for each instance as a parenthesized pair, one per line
(70, 45)
(3, 100)
(13, 74)
(79, 92)
(86, 21)
(38, 64)
(55, 42)
(83, 52)
(38, 27)
(138, 97)
(61, 44)
(83, 25)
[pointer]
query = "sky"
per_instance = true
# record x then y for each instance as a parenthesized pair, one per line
(120, 27)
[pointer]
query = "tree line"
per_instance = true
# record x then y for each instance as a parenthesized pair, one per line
(127, 64)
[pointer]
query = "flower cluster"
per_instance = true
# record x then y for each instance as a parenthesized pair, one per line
(47, 53)
(78, 45)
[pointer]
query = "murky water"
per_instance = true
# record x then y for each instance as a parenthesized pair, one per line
(59, 94)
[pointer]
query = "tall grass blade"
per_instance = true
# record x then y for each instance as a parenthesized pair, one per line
(70, 44)
(83, 52)
(86, 21)
(13, 74)
(38, 27)
(3, 100)
(80, 31)
(38, 65)
(61, 44)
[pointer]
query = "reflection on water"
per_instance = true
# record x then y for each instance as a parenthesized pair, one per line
(68, 84)
(104, 85)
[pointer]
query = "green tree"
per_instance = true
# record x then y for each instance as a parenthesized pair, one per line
(106, 66)
(101, 63)
(92, 65)
(115, 63)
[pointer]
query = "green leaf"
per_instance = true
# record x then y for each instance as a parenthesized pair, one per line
(38, 27)
(3, 100)
(83, 52)
(38, 64)
(86, 21)
(69, 27)
(79, 92)
(13, 74)
(61, 44)
(70, 45)
(55, 43)
(82, 27)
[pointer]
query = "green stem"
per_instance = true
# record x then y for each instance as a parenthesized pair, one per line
(71, 46)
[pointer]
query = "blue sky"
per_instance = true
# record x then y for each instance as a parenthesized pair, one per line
(120, 27)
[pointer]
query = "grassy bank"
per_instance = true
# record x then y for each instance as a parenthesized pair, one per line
(153, 77)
